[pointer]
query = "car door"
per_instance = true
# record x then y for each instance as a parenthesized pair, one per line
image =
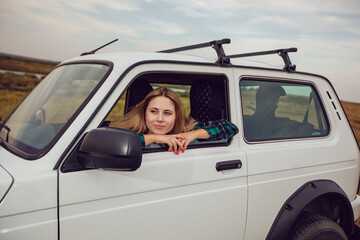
(170, 196)
(288, 141)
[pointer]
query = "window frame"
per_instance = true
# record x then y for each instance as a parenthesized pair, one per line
(315, 90)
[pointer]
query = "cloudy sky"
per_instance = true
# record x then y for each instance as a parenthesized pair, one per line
(326, 32)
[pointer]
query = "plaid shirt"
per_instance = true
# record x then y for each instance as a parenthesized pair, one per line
(220, 129)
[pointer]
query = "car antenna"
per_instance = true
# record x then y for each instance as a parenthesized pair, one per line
(95, 50)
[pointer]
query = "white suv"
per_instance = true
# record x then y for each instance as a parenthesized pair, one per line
(64, 174)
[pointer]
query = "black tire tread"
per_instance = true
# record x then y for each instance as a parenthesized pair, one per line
(309, 225)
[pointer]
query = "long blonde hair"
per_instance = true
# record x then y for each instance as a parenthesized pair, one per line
(135, 119)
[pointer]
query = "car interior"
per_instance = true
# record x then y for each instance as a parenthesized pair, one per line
(204, 97)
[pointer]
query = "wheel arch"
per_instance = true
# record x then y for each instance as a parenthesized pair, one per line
(320, 196)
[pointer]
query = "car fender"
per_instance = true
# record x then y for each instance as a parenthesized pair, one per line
(298, 201)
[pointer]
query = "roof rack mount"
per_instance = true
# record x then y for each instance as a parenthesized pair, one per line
(216, 44)
(224, 60)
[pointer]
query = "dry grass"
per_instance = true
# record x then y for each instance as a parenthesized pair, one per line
(353, 112)
(16, 82)
(10, 62)
(9, 99)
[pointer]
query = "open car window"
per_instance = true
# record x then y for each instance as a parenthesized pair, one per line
(204, 98)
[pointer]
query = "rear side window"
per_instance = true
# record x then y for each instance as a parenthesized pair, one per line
(281, 110)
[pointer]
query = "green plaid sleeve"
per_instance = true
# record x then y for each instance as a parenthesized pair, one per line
(142, 139)
(220, 129)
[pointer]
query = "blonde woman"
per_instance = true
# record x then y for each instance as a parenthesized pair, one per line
(160, 118)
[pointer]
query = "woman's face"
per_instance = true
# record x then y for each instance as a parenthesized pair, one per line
(160, 115)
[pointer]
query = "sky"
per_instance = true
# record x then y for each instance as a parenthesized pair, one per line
(325, 32)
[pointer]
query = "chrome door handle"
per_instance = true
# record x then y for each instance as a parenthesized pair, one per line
(226, 165)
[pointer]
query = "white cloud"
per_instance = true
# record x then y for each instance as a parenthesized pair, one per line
(166, 28)
(93, 5)
(94, 25)
(56, 19)
(52, 30)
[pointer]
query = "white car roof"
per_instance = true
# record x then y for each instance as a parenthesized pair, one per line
(133, 57)
(129, 58)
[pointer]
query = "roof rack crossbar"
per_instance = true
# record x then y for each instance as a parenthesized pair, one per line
(283, 53)
(224, 60)
(216, 44)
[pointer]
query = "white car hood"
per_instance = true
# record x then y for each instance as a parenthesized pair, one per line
(6, 181)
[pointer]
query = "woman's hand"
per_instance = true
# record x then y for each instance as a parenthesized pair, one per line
(174, 141)
(177, 142)
(188, 137)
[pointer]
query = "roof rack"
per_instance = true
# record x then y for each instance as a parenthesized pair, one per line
(283, 53)
(216, 44)
(224, 60)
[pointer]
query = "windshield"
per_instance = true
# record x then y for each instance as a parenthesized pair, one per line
(44, 112)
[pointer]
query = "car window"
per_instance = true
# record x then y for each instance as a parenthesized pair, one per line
(203, 98)
(46, 111)
(281, 110)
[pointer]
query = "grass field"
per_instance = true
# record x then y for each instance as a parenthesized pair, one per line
(353, 112)
(24, 64)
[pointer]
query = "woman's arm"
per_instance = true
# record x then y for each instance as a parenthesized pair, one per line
(176, 141)
(220, 129)
(210, 131)
(173, 141)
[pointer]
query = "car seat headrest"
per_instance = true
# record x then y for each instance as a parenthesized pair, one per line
(137, 91)
(206, 101)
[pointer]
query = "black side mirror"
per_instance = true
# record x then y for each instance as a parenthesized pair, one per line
(110, 149)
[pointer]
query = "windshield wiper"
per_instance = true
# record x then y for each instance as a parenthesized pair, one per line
(2, 125)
